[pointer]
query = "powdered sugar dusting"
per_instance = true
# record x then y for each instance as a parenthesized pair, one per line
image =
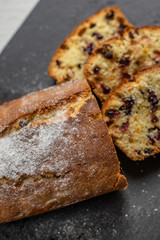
(34, 150)
(56, 148)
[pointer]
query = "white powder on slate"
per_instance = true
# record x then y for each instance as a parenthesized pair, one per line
(29, 150)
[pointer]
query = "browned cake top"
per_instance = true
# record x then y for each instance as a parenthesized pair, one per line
(35, 132)
(39, 101)
(54, 151)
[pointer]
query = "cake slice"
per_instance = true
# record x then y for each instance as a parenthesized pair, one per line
(68, 61)
(132, 113)
(54, 151)
(116, 59)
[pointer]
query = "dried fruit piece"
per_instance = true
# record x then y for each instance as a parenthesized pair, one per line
(108, 54)
(79, 65)
(89, 49)
(154, 119)
(131, 35)
(92, 25)
(106, 90)
(112, 113)
(96, 70)
(158, 134)
(148, 151)
(127, 76)
(58, 62)
(82, 31)
(63, 46)
(98, 35)
(110, 15)
(124, 61)
(152, 98)
(124, 127)
(121, 28)
(138, 151)
(128, 104)
(155, 134)
(106, 51)
(138, 63)
(151, 139)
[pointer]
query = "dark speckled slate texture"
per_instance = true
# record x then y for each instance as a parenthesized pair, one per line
(131, 214)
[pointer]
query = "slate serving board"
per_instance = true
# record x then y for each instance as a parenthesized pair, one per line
(131, 214)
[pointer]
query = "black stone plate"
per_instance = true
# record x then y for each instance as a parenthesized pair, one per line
(131, 214)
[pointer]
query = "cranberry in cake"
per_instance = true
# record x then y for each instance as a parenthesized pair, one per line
(119, 57)
(132, 114)
(68, 61)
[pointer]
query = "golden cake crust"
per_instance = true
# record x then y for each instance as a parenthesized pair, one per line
(61, 149)
(40, 100)
(60, 68)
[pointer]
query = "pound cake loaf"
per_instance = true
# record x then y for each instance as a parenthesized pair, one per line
(132, 113)
(116, 59)
(68, 61)
(54, 151)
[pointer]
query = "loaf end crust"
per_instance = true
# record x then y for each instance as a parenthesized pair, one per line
(54, 151)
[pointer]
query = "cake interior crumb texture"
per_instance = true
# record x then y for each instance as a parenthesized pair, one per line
(116, 60)
(132, 113)
(68, 61)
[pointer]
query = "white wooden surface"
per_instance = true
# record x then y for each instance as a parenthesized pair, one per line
(12, 14)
